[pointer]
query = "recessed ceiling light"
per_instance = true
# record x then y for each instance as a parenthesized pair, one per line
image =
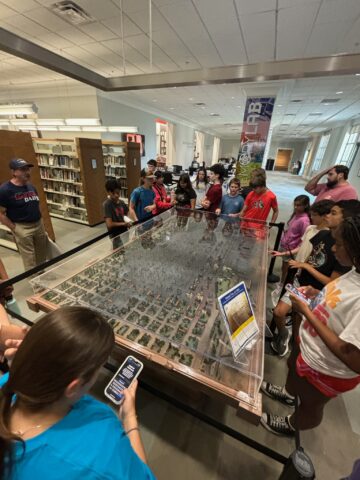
(191, 98)
(238, 106)
(154, 100)
(357, 74)
(279, 105)
(232, 98)
(172, 108)
(339, 93)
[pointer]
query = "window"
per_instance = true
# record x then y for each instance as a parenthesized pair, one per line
(321, 151)
(348, 147)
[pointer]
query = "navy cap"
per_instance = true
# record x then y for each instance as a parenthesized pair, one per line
(16, 163)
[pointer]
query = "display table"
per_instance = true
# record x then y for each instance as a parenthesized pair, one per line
(159, 293)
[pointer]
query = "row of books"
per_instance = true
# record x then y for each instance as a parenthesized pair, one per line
(64, 175)
(64, 201)
(62, 187)
(114, 160)
(63, 161)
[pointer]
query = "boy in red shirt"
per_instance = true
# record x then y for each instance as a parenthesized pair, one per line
(258, 204)
(162, 199)
(213, 196)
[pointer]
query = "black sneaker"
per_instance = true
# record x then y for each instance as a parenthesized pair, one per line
(281, 343)
(278, 393)
(276, 424)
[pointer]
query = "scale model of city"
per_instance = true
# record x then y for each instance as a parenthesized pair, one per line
(160, 291)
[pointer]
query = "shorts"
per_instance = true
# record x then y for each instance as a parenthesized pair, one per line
(286, 297)
(327, 385)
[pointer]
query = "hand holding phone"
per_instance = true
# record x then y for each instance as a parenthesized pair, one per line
(123, 379)
(294, 291)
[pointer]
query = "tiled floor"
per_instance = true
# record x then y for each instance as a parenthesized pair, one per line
(180, 446)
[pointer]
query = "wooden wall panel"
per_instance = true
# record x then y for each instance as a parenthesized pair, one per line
(93, 179)
(19, 144)
(133, 166)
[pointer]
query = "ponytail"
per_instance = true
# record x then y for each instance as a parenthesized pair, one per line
(6, 436)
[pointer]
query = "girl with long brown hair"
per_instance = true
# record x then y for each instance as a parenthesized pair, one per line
(49, 427)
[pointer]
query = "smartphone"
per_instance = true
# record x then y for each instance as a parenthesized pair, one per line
(290, 288)
(122, 379)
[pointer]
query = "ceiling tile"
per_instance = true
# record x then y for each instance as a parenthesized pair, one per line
(223, 27)
(132, 6)
(294, 28)
(326, 38)
(161, 60)
(339, 10)
(115, 26)
(6, 12)
(100, 10)
(20, 5)
(26, 25)
(255, 6)
(259, 47)
(76, 36)
(292, 3)
(141, 19)
(98, 31)
(45, 17)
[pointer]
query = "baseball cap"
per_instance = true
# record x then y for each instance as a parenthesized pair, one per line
(16, 163)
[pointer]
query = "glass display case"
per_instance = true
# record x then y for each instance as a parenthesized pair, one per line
(159, 292)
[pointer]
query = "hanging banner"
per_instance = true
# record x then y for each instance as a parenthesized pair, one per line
(257, 118)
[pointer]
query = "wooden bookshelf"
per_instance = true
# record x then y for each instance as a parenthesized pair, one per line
(72, 174)
(122, 161)
(19, 145)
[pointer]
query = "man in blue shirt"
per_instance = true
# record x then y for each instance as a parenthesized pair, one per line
(20, 211)
(142, 201)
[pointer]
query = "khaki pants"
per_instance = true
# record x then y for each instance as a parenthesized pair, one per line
(31, 241)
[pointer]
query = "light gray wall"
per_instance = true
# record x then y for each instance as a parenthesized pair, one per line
(114, 113)
(298, 148)
(229, 148)
(184, 142)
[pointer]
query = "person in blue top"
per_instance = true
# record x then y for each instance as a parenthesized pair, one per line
(49, 427)
(142, 201)
(231, 203)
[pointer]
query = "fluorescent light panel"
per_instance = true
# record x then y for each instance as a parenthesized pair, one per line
(94, 129)
(82, 121)
(17, 109)
(69, 129)
(123, 129)
(50, 122)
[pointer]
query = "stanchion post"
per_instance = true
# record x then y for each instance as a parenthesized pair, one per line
(272, 278)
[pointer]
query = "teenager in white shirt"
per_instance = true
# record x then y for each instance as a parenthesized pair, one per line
(327, 362)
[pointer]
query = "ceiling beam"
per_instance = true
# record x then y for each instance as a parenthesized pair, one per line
(257, 72)
(22, 48)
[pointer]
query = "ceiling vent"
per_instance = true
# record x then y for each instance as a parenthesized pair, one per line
(71, 13)
(330, 100)
(296, 101)
(214, 114)
(315, 114)
(200, 104)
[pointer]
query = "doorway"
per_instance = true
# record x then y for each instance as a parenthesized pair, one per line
(283, 159)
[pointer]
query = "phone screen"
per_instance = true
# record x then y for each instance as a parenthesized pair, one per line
(123, 378)
(297, 293)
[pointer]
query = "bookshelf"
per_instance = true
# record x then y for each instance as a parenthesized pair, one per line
(19, 144)
(122, 161)
(73, 178)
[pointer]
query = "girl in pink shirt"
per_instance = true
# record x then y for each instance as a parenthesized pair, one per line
(294, 231)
